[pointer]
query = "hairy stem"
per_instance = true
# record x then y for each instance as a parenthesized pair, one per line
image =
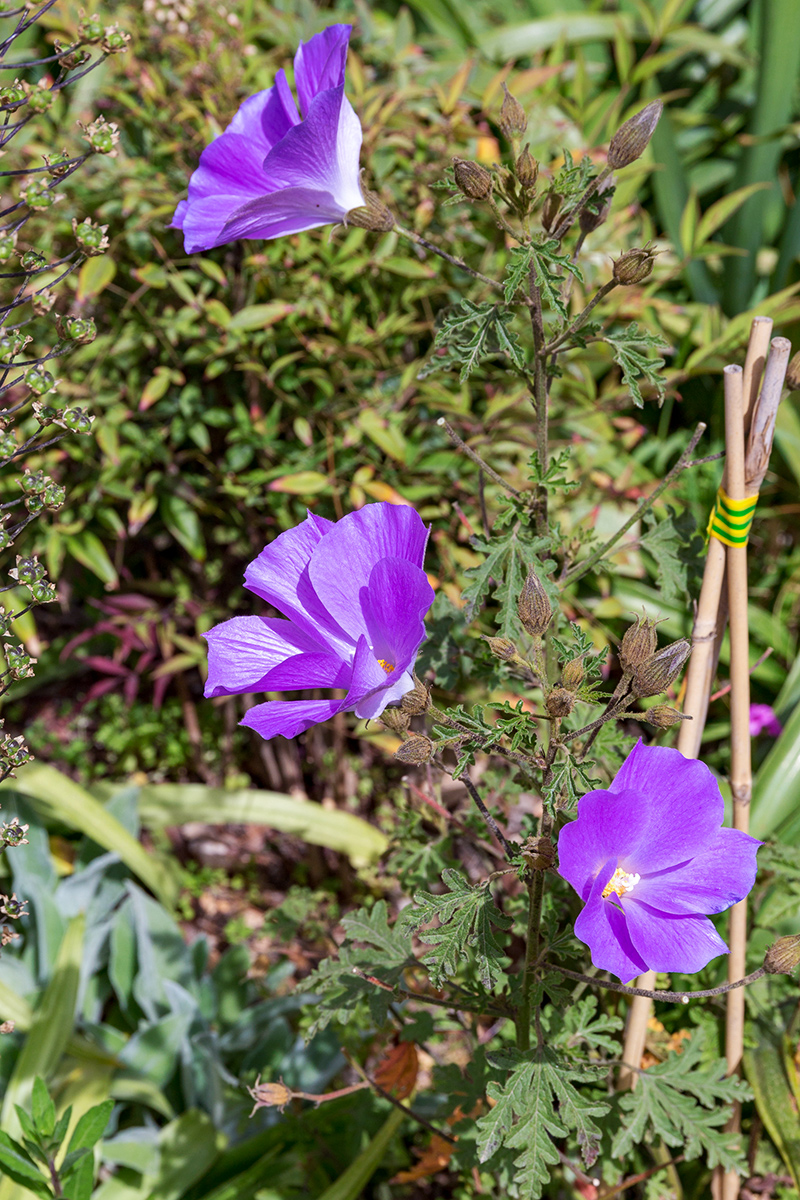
(535, 897)
(456, 262)
(476, 458)
(509, 847)
(581, 318)
(668, 997)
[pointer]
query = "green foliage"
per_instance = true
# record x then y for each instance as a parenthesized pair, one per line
(537, 1104)
(473, 333)
(468, 918)
(685, 1101)
(632, 348)
(677, 550)
(549, 269)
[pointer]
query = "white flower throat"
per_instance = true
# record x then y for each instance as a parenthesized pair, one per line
(621, 882)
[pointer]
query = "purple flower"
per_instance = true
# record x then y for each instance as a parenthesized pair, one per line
(271, 172)
(649, 858)
(763, 720)
(355, 596)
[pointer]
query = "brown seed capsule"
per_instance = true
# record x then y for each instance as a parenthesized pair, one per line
(560, 702)
(793, 373)
(527, 170)
(513, 119)
(504, 649)
(396, 719)
(415, 750)
(374, 215)
(655, 674)
(539, 853)
(631, 139)
(783, 956)
(572, 675)
(472, 179)
(270, 1095)
(550, 209)
(417, 701)
(634, 266)
(534, 608)
(639, 643)
(664, 717)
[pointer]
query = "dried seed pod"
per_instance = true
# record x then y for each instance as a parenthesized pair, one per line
(634, 266)
(504, 649)
(270, 1095)
(417, 701)
(783, 956)
(793, 373)
(631, 139)
(513, 118)
(638, 643)
(655, 674)
(560, 702)
(396, 719)
(534, 608)
(592, 214)
(472, 179)
(527, 170)
(539, 853)
(374, 215)
(415, 750)
(663, 716)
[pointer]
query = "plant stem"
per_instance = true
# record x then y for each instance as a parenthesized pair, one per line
(581, 569)
(535, 897)
(476, 458)
(509, 847)
(456, 262)
(668, 997)
(424, 998)
(369, 1082)
(581, 318)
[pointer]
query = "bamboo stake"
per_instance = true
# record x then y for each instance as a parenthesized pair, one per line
(702, 665)
(741, 768)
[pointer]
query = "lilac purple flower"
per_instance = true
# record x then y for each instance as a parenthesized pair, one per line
(275, 170)
(355, 596)
(650, 860)
(763, 720)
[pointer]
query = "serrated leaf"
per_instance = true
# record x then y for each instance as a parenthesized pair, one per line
(549, 279)
(678, 551)
(632, 347)
(467, 917)
(686, 1102)
(472, 332)
(509, 553)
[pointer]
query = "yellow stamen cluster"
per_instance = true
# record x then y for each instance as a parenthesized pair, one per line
(387, 666)
(620, 883)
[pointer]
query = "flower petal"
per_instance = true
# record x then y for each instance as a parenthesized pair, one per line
(280, 576)
(671, 943)
(606, 823)
(343, 562)
(602, 927)
(268, 116)
(279, 214)
(229, 175)
(718, 876)
(289, 717)
(319, 63)
(321, 154)
(394, 604)
(263, 654)
(374, 704)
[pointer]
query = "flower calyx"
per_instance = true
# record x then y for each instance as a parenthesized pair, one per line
(783, 956)
(573, 674)
(513, 118)
(417, 701)
(539, 853)
(527, 170)
(655, 674)
(505, 650)
(634, 266)
(663, 716)
(639, 643)
(396, 720)
(271, 1095)
(416, 750)
(374, 215)
(472, 180)
(631, 139)
(559, 703)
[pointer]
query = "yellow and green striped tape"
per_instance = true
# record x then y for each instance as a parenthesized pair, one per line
(730, 520)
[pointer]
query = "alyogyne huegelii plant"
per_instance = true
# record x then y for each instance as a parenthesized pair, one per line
(34, 328)
(630, 859)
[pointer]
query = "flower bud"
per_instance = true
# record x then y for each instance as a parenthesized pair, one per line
(115, 40)
(38, 195)
(8, 243)
(415, 750)
(572, 675)
(664, 717)
(90, 30)
(417, 701)
(13, 834)
(31, 261)
(638, 644)
(783, 956)
(655, 674)
(472, 179)
(374, 215)
(40, 382)
(550, 210)
(102, 136)
(513, 119)
(91, 238)
(793, 373)
(560, 702)
(527, 170)
(271, 1095)
(10, 906)
(395, 719)
(76, 329)
(12, 95)
(634, 266)
(596, 209)
(631, 139)
(534, 608)
(503, 648)
(42, 302)
(40, 98)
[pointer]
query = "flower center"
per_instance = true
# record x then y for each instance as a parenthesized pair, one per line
(620, 883)
(389, 667)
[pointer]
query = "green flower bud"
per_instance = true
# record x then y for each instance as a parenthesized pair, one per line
(39, 381)
(8, 242)
(40, 99)
(43, 301)
(77, 420)
(6, 539)
(38, 195)
(77, 329)
(631, 139)
(34, 505)
(11, 907)
(58, 163)
(54, 496)
(13, 834)
(91, 238)
(43, 592)
(534, 608)
(102, 136)
(12, 95)
(28, 570)
(634, 266)
(473, 180)
(115, 40)
(90, 30)
(527, 170)
(8, 443)
(31, 261)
